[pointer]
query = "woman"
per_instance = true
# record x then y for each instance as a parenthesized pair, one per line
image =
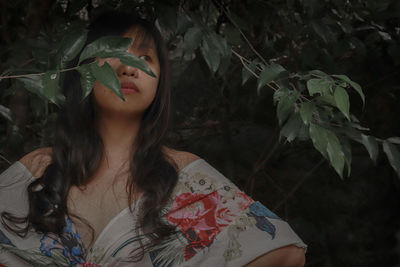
(109, 192)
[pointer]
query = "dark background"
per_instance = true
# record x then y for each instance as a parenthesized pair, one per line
(353, 221)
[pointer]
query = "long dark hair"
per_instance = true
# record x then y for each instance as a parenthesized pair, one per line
(78, 148)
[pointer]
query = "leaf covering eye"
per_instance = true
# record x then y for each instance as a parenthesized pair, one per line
(145, 58)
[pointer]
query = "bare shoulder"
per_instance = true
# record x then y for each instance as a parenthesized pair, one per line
(180, 158)
(38, 160)
(289, 256)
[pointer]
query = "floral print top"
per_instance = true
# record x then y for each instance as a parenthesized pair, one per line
(217, 225)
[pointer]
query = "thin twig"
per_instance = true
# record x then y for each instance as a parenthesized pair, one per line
(25, 63)
(242, 59)
(21, 75)
(34, 74)
(298, 185)
(262, 159)
(241, 32)
(6, 160)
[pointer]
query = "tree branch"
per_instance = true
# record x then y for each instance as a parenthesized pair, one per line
(240, 31)
(5, 159)
(298, 185)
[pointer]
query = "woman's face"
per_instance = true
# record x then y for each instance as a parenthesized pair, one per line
(139, 88)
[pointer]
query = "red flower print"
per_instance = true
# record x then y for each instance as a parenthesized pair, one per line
(86, 264)
(245, 201)
(201, 217)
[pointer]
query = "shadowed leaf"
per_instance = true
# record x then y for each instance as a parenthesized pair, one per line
(342, 101)
(105, 46)
(393, 156)
(192, 40)
(355, 85)
(268, 74)
(319, 138)
(210, 53)
(335, 153)
(107, 76)
(6, 113)
(319, 86)
(87, 80)
(292, 127)
(371, 145)
(70, 46)
(306, 111)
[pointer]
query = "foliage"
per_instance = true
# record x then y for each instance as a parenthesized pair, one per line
(304, 56)
(310, 104)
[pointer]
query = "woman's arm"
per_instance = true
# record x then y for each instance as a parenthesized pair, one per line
(37, 161)
(289, 256)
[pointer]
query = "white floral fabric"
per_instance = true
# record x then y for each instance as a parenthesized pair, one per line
(217, 225)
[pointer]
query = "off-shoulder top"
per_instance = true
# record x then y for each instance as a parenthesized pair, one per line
(217, 225)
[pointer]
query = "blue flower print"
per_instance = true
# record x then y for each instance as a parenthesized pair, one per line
(69, 242)
(259, 209)
(260, 214)
(4, 239)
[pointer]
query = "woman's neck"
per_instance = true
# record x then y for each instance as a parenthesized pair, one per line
(118, 134)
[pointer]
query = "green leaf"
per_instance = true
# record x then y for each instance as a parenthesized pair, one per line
(393, 156)
(281, 93)
(329, 99)
(6, 113)
(232, 35)
(210, 53)
(371, 145)
(33, 84)
(225, 56)
(70, 46)
(87, 80)
(394, 140)
(50, 83)
(246, 74)
(192, 39)
(217, 42)
(355, 85)
(182, 24)
(225, 61)
(130, 60)
(342, 101)
(216, 52)
(319, 86)
(115, 47)
(105, 46)
(133, 61)
(351, 133)
(319, 73)
(292, 127)
(335, 153)
(268, 74)
(286, 105)
(319, 138)
(306, 111)
(347, 154)
(107, 76)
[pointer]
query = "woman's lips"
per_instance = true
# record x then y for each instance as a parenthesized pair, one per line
(129, 88)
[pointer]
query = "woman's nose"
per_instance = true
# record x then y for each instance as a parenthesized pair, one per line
(125, 70)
